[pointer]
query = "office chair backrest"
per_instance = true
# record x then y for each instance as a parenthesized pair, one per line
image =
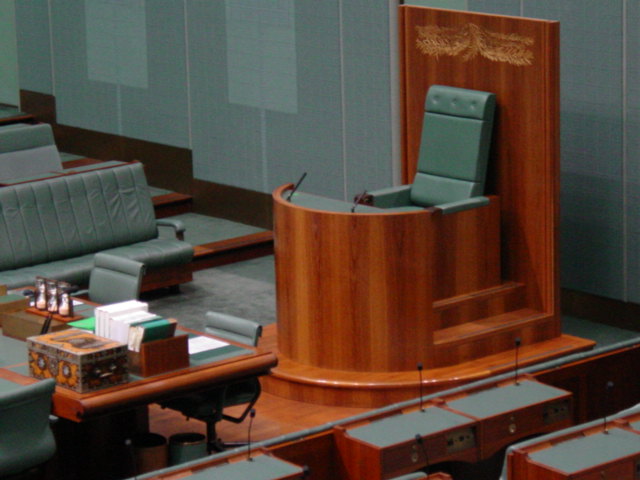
(114, 279)
(27, 150)
(454, 147)
(26, 440)
(233, 328)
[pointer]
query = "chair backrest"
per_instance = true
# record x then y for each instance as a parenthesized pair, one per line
(26, 440)
(233, 328)
(454, 147)
(26, 150)
(114, 279)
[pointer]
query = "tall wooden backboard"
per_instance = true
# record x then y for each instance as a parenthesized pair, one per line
(518, 60)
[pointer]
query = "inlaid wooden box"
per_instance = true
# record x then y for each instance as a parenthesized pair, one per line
(78, 360)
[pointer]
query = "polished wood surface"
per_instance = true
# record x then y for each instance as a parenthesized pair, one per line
(352, 288)
(520, 465)
(80, 407)
(380, 293)
(520, 65)
(231, 250)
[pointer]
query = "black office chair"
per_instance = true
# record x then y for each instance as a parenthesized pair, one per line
(26, 439)
(208, 406)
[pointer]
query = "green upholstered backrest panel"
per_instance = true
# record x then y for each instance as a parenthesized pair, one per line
(454, 148)
(74, 215)
(27, 150)
(24, 422)
(114, 279)
(233, 328)
(25, 137)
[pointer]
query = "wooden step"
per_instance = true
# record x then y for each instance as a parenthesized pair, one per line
(170, 204)
(492, 334)
(232, 250)
(489, 302)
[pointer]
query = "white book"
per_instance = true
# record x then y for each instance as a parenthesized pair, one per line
(104, 312)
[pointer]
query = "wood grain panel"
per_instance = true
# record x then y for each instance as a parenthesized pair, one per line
(525, 151)
(353, 291)
(467, 251)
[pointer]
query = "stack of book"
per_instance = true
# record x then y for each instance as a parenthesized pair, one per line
(132, 324)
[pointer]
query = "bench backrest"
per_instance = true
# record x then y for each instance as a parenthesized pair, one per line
(73, 215)
(27, 150)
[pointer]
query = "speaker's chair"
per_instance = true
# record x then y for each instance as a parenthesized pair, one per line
(454, 152)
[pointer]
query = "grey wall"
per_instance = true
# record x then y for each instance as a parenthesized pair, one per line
(262, 91)
(9, 88)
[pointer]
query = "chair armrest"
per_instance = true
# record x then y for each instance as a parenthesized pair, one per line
(177, 225)
(81, 293)
(391, 197)
(461, 205)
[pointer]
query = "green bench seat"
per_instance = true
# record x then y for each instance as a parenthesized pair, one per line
(53, 227)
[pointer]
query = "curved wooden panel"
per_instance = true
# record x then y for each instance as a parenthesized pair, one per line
(353, 289)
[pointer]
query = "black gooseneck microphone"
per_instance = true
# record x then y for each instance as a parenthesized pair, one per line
(420, 441)
(607, 401)
(293, 190)
(252, 415)
(419, 366)
(517, 342)
(357, 200)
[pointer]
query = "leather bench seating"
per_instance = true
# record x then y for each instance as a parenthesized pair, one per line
(53, 228)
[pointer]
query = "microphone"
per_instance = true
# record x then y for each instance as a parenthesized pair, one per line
(517, 342)
(306, 471)
(296, 186)
(252, 415)
(607, 399)
(357, 200)
(419, 366)
(420, 441)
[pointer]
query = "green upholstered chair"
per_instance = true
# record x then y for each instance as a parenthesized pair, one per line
(208, 406)
(28, 150)
(26, 439)
(454, 152)
(114, 279)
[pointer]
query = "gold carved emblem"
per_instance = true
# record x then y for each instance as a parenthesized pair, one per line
(470, 40)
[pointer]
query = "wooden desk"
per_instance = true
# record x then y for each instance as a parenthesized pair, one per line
(509, 412)
(93, 427)
(407, 442)
(468, 426)
(200, 374)
(583, 455)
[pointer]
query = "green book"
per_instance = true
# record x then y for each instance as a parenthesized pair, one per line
(88, 324)
(151, 330)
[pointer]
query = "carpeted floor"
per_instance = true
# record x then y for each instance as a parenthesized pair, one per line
(244, 289)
